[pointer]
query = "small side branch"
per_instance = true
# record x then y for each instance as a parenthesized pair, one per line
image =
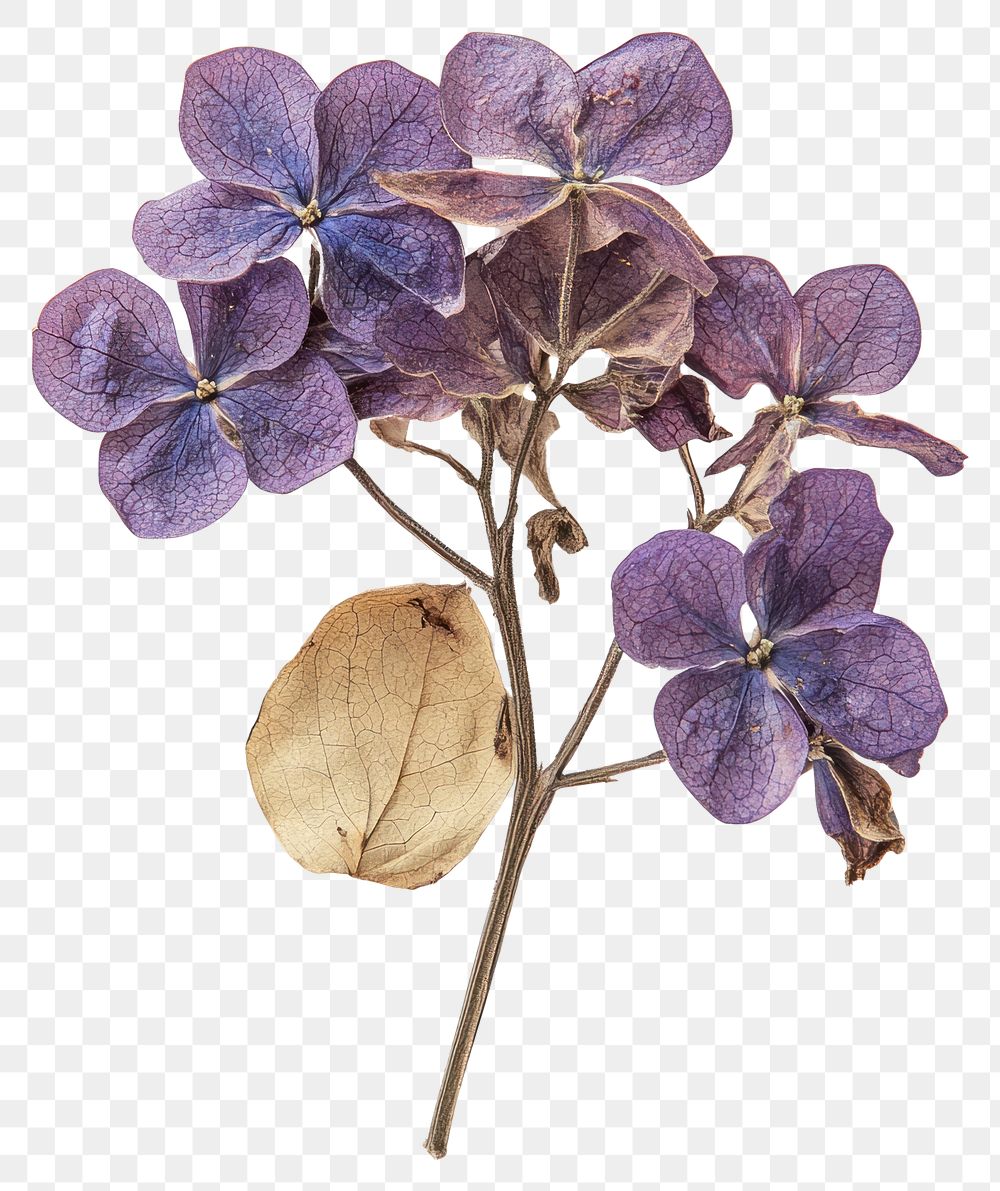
(401, 517)
(608, 773)
(586, 716)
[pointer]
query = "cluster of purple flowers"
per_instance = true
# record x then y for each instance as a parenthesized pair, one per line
(398, 321)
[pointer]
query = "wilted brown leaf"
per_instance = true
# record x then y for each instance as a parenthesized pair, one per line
(546, 530)
(383, 749)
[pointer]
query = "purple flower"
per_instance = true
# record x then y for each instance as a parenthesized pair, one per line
(653, 108)
(182, 439)
(736, 725)
(280, 156)
(850, 330)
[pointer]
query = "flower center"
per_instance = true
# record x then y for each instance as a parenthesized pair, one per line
(792, 406)
(760, 653)
(310, 214)
(206, 390)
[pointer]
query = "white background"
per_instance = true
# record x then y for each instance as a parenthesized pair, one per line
(680, 1003)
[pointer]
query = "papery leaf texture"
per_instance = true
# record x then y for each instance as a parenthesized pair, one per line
(383, 749)
(546, 530)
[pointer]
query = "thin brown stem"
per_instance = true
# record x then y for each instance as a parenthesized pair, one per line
(401, 517)
(697, 492)
(313, 272)
(585, 717)
(608, 773)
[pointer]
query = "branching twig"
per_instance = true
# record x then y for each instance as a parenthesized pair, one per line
(608, 773)
(696, 489)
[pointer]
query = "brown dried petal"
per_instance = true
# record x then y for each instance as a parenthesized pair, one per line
(546, 530)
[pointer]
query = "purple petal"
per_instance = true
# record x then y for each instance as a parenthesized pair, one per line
(294, 423)
(847, 421)
(855, 809)
(860, 331)
(676, 600)
(824, 558)
(907, 764)
(667, 211)
(747, 331)
(479, 197)
(256, 321)
(610, 211)
(212, 232)
(373, 117)
(511, 97)
(737, 744)
(247, 117)
(766, 423)
(682, 413)
(868, 682)
(394, 394)
(104, 349)
(369, 260)
(171, 471)
(349, 358)
(461, 351)
(653, 108)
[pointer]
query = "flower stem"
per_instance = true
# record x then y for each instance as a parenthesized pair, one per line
(696, 489)
(608, 773)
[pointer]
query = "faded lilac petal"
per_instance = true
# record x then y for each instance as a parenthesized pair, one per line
(212, 232)
(747, 330)
(171, 471)
(868, 681)
(907, 764)
(656, 203)
(660, 325)
(247, 117)
(735, 743)
(104, 349)
(860, 331)
(295, 422)
(855, 808)
(394, 394)
(255, 322)
(511, 97)
(350, 358)
(683, 413)
(610, 211)
(369, 259)
(479, 197)
(653, 108)
(764, 479)
(847, 421)
(824, 558)
(461, 351)
(375, 117)
(765, 425)
(676, 600)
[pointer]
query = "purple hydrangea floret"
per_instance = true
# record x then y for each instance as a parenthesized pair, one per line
(282, 157)
(181, 439)
(736, 724)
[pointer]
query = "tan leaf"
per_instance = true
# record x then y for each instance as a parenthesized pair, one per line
(383, 749)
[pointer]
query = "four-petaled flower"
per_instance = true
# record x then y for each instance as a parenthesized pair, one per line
(849, 330)
(734, 724)
(282, 157)
(653, 109)
(182, 439)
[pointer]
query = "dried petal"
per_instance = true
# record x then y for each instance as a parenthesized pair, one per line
(766, 423)
(855, 808)
(377, 117)
(171, 471)
(295, 422)
(868, 681)
(748, 329)
(824, 558)
(104, 349)
(349, 358)
(847, 421)
(511, 97)
(860, 331)
(677, 600)
(546, 530)
(478, 197)
(212, 232)
(509, 418)
(735, 742)
(255, 322)
(765, 479)
(370, 259)
(653, 108)
(247, 117)
(383, 748)
(395, 394)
